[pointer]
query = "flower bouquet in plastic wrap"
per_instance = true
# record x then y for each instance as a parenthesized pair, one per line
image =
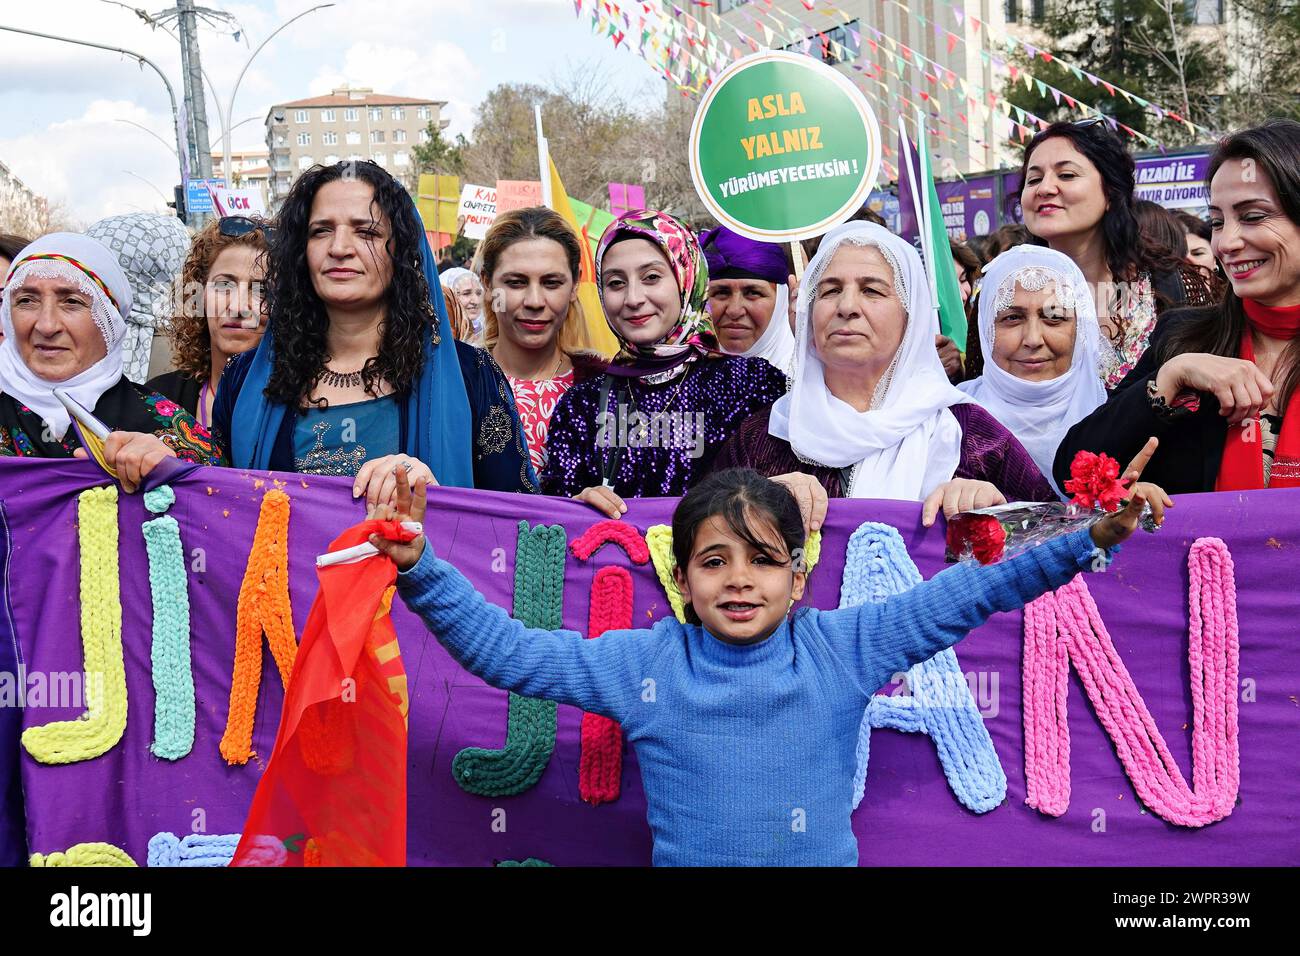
(991, 534)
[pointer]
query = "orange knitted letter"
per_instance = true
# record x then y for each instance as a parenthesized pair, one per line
(263, 607)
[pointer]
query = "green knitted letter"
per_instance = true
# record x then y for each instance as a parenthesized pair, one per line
(530, 726)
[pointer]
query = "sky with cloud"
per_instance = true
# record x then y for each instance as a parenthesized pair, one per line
(66, 112)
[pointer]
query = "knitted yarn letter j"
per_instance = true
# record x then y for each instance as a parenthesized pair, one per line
(530, 726)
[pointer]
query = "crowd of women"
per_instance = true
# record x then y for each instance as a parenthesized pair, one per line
(327, 343)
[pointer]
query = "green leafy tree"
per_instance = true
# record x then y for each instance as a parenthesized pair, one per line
(440, 155)
(1264, 36)
(1149, 47)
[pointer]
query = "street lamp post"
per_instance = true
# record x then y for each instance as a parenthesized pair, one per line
(229, 108)
(142, 60)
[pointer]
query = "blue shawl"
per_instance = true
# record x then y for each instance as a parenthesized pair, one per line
(437, 407)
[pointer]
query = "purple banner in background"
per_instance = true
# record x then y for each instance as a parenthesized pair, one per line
(969, 208)
(127, 795)
(1175, 182)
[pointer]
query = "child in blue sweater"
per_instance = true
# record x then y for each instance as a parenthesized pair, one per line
(747, 746)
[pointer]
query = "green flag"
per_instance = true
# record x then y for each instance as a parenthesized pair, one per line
(952, 317)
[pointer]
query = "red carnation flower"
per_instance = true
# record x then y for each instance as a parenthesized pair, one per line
(983, 535)
(1094, 482)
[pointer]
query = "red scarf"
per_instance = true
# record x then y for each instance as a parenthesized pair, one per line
(334, 790)
(1242, 468)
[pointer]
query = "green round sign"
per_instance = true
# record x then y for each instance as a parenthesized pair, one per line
(783, 147)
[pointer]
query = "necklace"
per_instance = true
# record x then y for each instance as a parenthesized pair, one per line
(340, 379)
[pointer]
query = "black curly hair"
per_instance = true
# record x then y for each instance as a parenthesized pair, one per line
(1128, 251)
(298, 320)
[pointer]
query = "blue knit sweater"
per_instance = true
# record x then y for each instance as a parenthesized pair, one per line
(747, 753)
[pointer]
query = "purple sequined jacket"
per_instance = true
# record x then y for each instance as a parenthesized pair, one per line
(669, 434)
(988, 453)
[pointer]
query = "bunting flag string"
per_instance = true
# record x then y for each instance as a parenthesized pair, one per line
(692, 72)
(799, 28)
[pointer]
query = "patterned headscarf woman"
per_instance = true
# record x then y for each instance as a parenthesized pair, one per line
(151, 249)
(692, 336)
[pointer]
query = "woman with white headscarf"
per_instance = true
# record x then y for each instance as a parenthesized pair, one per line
(1038, 326)
(871, 413)
(748, 296)
(64, 313)
(469, 292)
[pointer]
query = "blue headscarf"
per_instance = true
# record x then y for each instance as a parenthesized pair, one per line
(438, 412)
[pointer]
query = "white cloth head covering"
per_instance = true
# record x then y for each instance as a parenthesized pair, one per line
(1039, 413)
(907, 443)
(109, 309)
(451, 278)
(151, 249)
(776, 344)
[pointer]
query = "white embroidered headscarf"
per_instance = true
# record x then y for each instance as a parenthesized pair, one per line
(94, 270)
(908, 442)
(776, 344)
(453, 277)
(1038, 413)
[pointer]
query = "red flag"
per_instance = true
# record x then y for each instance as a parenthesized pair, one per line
(334, 791)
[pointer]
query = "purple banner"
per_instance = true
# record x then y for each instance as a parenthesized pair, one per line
(1175, 182)
(127, 795)
(969, 208)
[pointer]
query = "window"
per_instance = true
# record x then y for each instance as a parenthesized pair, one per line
(1038, 10)
(1013, 11)
(278, 116)
(401, 159)
(355, 157)
(331, 159)
(354, 137)
(300, 116)
(1203, 12)
(424, 136)
(327, 116)
(350, 114)
(376, 114)
(376, 136)
(305, 162)
(379, 158)
(399, 114)
(423, 112)
(399, 136)
(304, 139)
(329, 138)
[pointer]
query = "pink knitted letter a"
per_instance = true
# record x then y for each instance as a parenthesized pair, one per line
(1064, 628)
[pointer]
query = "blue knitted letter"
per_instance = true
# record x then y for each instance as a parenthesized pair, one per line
(877, 566)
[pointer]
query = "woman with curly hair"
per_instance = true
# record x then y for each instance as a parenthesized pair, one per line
(217, 311)
(1077, 197)
(359, 373)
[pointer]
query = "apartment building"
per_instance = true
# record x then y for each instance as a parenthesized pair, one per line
(349, 123)
(21, 210)
(961, 145)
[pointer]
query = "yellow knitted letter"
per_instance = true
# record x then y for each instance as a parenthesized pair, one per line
(102, 726)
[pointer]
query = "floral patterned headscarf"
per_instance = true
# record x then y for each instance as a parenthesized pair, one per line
(693, 336)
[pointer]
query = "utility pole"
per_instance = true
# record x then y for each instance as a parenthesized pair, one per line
(193, 75)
